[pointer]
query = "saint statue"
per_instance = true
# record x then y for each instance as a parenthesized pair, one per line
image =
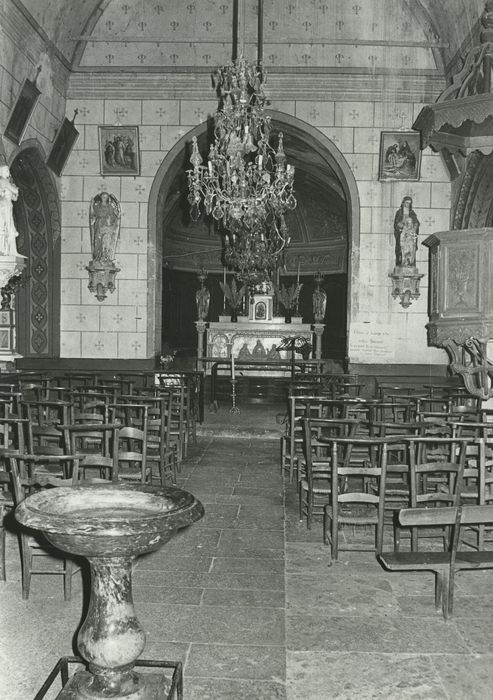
(202, 297)
(406, 229)
(319, 300)
(8, 194)
(104, 224)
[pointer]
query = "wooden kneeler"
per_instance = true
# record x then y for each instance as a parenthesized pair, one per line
(443, 563)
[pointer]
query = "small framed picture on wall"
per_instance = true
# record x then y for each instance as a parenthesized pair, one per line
(119, 150)
(400, 155)
(23, 108)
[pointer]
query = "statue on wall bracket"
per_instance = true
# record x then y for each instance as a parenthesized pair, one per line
(405, 276)
(104, 226)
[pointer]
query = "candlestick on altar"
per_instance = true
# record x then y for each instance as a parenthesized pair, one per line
(298, 275)
(232, 365)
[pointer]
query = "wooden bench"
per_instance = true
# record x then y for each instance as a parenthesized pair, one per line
(443, 563)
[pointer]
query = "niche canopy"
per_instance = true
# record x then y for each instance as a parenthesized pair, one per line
(461, 120)
(247, 184)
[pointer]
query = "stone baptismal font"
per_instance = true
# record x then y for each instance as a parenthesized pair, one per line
(110, 525)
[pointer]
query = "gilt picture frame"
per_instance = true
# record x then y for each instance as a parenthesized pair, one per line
(22, 111)
(62, 147)
(400, 156)
(119, 150)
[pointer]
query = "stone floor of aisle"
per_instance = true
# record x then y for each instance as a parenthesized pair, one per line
(246, 599)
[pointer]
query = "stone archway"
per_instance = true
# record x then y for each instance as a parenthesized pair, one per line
(174, 166)
(37, 218)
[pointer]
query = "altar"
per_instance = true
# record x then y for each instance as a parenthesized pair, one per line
(256, 340)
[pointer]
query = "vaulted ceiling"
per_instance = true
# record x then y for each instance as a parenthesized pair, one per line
(99, 33)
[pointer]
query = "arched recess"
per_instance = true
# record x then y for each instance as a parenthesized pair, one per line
(37, 219)
(172, 171)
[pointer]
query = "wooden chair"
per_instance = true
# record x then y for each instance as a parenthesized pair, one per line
(444, 564)
(357, 493)
(314, 487)
(96, 445)
(132, 455)
(30, 473)
(434, 481)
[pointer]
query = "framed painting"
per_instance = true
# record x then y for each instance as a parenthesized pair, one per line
(23, 108)
(400, 155)
(119, 150)
(62, 146)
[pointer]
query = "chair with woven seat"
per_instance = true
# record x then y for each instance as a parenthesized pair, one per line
(434, 482)
(30, 473)
(132, 455)
(314, 486)
(357, 493)
(96, 445)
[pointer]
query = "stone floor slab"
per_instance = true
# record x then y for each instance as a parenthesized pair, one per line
(362, 676)
(236, 661)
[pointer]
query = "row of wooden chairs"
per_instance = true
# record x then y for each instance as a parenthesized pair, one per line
(97, 431)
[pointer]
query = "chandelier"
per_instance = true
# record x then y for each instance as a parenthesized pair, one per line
(247, 185)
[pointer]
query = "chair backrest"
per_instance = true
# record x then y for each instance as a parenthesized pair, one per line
(92, 439)
(318, 436)
(436, 481)
(361, 483)
(132, 454)
(14, 434)
(30, 473)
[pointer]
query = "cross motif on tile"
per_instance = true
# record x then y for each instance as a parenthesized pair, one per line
(161, 112)
(81, 317)
(117, 318)
(140, 189)
(81, 213)
(136, 345)
(81, 265)
(138, 240)
(314, 113)
(373, 138)
(354, 114)
(272, 58)
(99, 345)
(430, 221)
(83, 162)
(84, 111)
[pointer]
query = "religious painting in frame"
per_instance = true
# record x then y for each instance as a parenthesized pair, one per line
(62, 145)
(119, 150)
(400, 155)
(23, 108)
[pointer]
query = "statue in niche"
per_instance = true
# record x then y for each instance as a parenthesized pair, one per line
(9, 193)
(406, 230)
(273, 353)
(104, 224)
